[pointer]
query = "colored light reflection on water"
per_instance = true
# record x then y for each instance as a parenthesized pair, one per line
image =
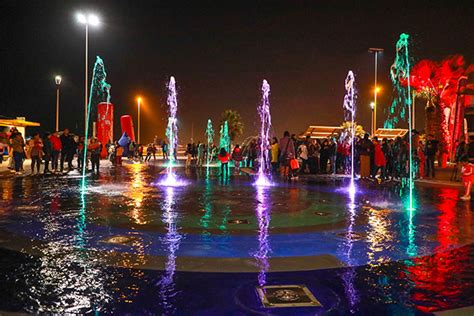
(171, 241)
(263, 219)
(349, 275)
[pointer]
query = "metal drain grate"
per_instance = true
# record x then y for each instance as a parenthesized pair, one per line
(286, 296)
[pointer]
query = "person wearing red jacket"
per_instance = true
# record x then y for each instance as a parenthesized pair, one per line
(224, 158)
(467, 173)
(56, 147)
(379, 159)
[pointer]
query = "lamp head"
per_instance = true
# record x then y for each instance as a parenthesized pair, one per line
(58, 79)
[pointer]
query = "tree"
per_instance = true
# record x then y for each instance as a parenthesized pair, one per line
(234, 120)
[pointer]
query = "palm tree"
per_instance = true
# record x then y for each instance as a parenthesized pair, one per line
(234, 120)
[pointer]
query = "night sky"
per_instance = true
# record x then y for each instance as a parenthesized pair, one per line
(219, 53)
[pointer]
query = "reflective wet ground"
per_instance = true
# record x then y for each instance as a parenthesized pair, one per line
(127, 245)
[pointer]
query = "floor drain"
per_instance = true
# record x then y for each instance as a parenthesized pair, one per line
(119, 240)
(321, 213)
(351, 235)
(238, 221)
(286, 296)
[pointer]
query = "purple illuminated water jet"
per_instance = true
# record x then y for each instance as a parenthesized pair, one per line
(349, 113)
(266, 124)
(171, 178)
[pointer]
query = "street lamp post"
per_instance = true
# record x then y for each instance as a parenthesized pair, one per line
(372, 129)
(139, 101)
(57, 79)
(376, 51)
(87, 20)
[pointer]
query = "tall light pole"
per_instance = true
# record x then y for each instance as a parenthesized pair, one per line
(139, 101)
(376, 51)
(372, 107)
(57, 79)
(93, 20)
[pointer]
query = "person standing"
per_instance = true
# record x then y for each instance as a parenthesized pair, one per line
(274, 152)
(67, 151)
(149, 152)
(56, 146)
(118, 154)
(237, 157)
(303, 153)
(379, 159)
(140, 152)
(422, 158)
(224, 158)
(95, 148)
(287, 151)
(47, 150)
(467, 173)
(189, 155)
(164, 148)
(431, 148)
(36, 154)
(325, 154)
(80, 153)
(365, 152)
(18, 147)
(200, 154)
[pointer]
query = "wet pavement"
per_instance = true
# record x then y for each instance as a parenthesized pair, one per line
(125, 244)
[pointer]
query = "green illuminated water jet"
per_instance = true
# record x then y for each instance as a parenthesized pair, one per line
(210, 140)
(401, 105)
(99, 92)
(225, 138)
(224, 141)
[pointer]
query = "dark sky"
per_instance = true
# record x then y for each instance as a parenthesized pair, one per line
(219, 52)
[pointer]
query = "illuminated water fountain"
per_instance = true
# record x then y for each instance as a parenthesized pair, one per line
(172, 134)
(266, 124)
(349, 114)
(99, 92)
(401, 105)
(210, 140)
(224, 141)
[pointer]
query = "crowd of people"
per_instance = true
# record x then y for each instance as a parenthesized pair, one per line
(384, 159)
(49, 153)
(374, 159)
(288, 156)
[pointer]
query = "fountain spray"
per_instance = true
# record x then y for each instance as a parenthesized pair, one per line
(266, 124)
(172, 134)
(400, 76)
(349, 113)
(99, 91)
(210, 139)
(225, 139)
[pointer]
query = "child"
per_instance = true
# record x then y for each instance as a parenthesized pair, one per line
(294, 167)
(224, 159)
(237, 157)
(149, 152)
(118, 155)
(467, 173)
(189, 155)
